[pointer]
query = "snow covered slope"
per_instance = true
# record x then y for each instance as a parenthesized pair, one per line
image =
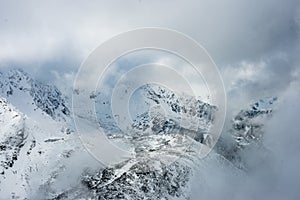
(164, 167)
(35, 136)
(30, 95)
(28, 154)
(12, 135)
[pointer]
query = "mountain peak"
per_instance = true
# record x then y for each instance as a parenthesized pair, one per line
(173, 113)
(248, 123)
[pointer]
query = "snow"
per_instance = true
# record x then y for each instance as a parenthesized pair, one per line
(42, 158)
(30, 155)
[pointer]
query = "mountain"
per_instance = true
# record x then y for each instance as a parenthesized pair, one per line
(27, 158)
(166, 163)
(36, 143)
(247, 124)
(13, 135)
(41, 158)
(173, 113)
(23, 91)
(246, 132)
(164, 167)
(159, 110)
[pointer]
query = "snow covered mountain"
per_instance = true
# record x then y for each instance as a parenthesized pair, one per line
(246, 132)
(28, 94)
(42, 159)
(12, 135)
(28, 154)
(35, 136)
(171, 113)
(164, 167)
(162, 112)
(248, 124)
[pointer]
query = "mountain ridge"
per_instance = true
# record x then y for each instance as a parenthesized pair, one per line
(37, 150)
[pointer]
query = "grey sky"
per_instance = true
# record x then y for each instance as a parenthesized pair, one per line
(57, 36)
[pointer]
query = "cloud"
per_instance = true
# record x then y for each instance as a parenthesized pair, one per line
(231, 30)
(274, 173)
(240, 36)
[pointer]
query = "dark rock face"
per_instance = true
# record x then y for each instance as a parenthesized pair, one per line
(10, 149)
(49, 99)
(140, 182)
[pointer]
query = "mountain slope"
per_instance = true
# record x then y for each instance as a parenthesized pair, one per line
(25, 153)
(158, 110)
(28, 94)
(248, 124)
(12, 136)
(246, 132)
(164, 167)
(40, 159)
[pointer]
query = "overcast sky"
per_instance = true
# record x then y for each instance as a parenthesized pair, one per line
(255, 44)
(58, 34)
